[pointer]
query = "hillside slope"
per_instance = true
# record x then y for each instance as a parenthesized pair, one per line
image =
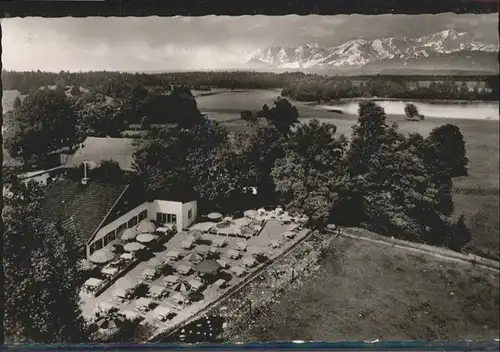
(367, 291)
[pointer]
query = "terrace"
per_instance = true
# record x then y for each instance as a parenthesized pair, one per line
(181, 280)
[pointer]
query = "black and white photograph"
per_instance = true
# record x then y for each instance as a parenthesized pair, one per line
(227, 179)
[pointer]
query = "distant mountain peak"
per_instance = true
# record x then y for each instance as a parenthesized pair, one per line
(360, 52)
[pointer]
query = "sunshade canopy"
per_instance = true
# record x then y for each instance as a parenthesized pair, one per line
(233, 254)
(148, 272)
(173, 254)
(178, 297)
(155, 262)
(146, 237)
(102, 256)
(143, 302)
(195, 283)
(196, 234)
(171, 279)
(129, 314)
(241, 246)
(133, 246)
(146, 226)
(208, 266)
(104, 306)
(181, 286)
(250, 213)
(214, 216)
(129, 234)
(156, 290)
(194, 257)
(183, 268)
(223, 263)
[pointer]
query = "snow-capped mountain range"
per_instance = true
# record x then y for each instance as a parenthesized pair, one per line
(359, 52)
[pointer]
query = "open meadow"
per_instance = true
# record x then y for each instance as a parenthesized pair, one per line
(363, 291)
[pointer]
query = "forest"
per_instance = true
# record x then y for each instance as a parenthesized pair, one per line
(296, 85)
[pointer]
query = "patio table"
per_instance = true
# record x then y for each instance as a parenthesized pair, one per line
(110, 271)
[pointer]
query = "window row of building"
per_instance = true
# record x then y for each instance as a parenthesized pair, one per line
(114, 234)
(161, 218)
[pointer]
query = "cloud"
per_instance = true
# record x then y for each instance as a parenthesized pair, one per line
(209, 42)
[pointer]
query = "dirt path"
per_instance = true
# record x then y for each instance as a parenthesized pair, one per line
(434, 251)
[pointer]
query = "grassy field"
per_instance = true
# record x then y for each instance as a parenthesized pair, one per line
(363, 291)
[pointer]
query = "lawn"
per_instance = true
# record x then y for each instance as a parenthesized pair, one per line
(363, 291)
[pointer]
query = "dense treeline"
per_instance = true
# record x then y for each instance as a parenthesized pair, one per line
(328, 89)
(68, 118)
(381, 179)
(297, 85)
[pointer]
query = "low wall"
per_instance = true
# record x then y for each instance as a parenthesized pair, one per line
(471, 258)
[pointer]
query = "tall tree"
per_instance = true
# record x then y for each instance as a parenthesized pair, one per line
(17, 103)
(283, 115)
(367, 136)
(449, 150)
(312, 171)
(43, 123)
(41, 284)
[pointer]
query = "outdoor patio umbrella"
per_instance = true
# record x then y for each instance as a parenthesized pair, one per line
(196, 234)
(112, 323)
(171, 279)
(84, 264)
(181, 287)
(214, 216)
(156, 291)
(117, 245)
(250, 213)
(133, 246)
(223, 224)
(155, 262)
(102, 256)
(146, 237)
(146, 226)
(129, 234)
(223, 263)
(143, 303)
(104, 307)
(202, 250)
(194, 257)
(208, 266)
(130, 315)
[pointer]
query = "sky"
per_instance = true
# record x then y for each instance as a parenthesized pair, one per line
(208, 42)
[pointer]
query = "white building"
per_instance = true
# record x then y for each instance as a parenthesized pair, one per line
(98, 212)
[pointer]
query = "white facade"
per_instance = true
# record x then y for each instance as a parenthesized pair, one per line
(182, 214)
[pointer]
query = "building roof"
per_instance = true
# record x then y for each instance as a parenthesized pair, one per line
(99, 149)
(81, 209)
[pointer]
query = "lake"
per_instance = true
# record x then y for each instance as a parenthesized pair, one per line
(227, 104)
(457, 110)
